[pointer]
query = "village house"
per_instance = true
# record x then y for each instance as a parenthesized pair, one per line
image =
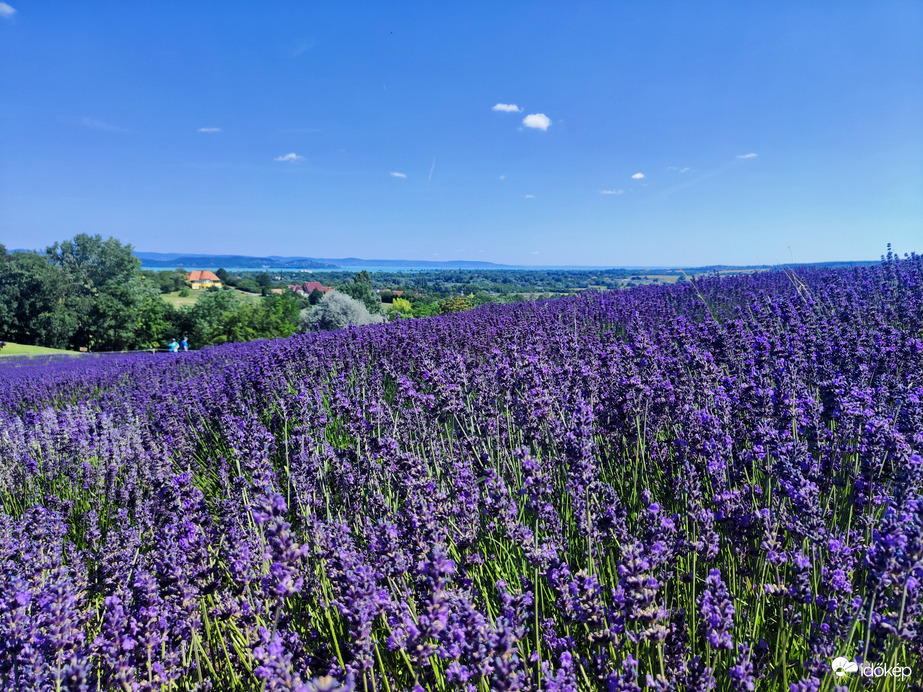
(307, 287)
(203, 279)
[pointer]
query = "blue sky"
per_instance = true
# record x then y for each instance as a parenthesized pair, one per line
(765, 132)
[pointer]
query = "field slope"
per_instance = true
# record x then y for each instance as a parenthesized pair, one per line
(709, 485)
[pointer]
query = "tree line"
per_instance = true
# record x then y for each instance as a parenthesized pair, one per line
(90, 293)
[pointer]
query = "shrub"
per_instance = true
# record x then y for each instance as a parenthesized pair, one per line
(337, 311)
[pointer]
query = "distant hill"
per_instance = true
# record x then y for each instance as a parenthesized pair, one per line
(176, 259)
(171, 259)
(462, 264)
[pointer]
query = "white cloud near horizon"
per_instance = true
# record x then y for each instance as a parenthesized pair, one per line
(747, 156)
(6, 10)
(507, 108)
(290, 158)
(638, 176)
(612, 192)
(537, 121)
(396, 174)
(209, 129)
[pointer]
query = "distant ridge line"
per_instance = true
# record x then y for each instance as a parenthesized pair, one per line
(176, 259)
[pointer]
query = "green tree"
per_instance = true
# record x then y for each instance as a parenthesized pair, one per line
(168, 281)
(156, 321)
(105, 290)
(276, 316)
(208, 321)
(402, 307)
(361, 289)
(426, 309)
(34, 301)
(453, 305)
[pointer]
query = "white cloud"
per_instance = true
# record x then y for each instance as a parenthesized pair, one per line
(502, 177)
(538, 121)
(685, 169)
(530, 196)
(395, 174)
(507, 108)
(209, 129)
(6, 10)
(97, 124)
(290, 158)
(638, 176)
(534, 252)
(747, 156)
(612, 192)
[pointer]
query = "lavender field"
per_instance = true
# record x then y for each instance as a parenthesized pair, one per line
(712, 485)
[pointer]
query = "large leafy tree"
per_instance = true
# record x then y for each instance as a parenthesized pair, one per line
(34, 301)
(105, 291)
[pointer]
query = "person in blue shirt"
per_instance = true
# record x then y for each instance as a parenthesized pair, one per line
(173, 347)
(184, 344)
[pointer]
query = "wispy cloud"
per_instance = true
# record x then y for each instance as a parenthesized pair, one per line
(638, 176)
(502, 177)
(507, 108)
(747, 156)
(290, 158)
(431, 169)
(302, 48)
(534, 252)
(612, 192)
(6, 10)
(685, 169)
(96, 124)
(209, 129)
(537, 121)
(396, 174)
(530, 196)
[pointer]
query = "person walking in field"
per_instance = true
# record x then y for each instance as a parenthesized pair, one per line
(173, 347)
(184, 344)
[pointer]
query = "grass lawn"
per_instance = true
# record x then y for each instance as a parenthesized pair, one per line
(21, 350)
(176, 301)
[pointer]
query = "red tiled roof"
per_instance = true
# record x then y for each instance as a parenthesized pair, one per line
(309, 286)
(203, 275)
